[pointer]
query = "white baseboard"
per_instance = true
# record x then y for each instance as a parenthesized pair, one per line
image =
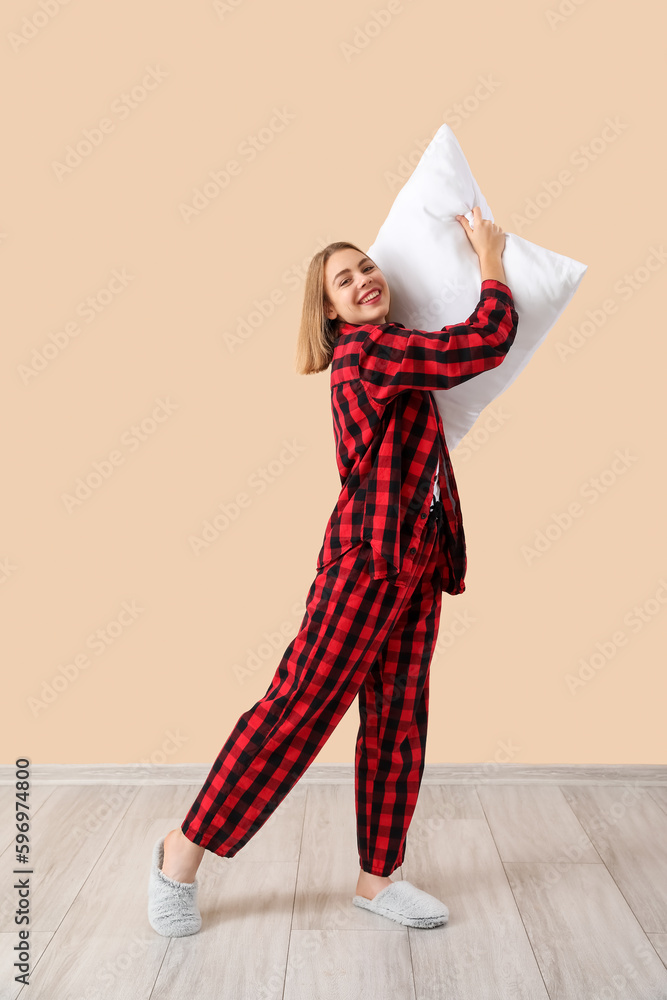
(487, 772)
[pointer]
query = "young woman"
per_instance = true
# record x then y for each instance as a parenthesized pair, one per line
(393, 544)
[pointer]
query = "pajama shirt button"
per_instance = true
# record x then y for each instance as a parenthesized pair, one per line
(422, 514)
(412, 550)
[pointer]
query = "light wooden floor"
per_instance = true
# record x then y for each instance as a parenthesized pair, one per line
(555, 892)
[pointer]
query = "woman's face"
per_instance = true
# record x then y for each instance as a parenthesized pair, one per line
(349, 278)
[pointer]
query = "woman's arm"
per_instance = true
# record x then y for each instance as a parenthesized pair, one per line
(491, 265)
(393, 359)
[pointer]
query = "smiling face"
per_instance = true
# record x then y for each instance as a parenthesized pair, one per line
(349, 279)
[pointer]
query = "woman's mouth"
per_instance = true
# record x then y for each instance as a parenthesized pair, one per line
(372, 297)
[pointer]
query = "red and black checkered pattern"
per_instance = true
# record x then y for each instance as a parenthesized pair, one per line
(389, 434)
(358, 635)
(373, 609)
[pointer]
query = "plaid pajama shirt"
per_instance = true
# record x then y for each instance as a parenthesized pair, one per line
(373, 610)
(389, 432)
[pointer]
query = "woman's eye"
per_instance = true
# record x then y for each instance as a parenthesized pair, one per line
(369, 267)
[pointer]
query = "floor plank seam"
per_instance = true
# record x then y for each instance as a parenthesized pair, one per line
(516, 902)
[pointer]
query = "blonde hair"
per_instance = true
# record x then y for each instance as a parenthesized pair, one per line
(317, 333)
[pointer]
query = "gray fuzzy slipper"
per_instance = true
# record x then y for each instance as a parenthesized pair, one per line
(406, 904)
(172, 905)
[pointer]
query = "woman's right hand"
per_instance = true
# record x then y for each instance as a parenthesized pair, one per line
(486, 237)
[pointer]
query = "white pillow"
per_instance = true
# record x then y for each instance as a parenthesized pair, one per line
(434, 274)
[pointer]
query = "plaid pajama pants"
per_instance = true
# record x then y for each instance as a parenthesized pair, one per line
(358, 636)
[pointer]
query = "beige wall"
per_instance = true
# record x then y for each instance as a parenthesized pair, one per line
(160, 378)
